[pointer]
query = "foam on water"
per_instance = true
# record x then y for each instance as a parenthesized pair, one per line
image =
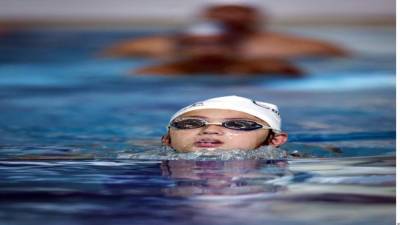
(166, 153)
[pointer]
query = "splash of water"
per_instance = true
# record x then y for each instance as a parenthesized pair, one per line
(167, 153)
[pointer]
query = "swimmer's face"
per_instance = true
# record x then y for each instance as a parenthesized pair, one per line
(211, 137)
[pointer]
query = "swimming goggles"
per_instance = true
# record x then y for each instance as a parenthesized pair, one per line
(237, 124)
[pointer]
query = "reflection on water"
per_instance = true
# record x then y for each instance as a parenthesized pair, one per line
(235, 177)
(301, 191)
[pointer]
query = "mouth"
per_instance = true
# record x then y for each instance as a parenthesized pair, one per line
(208, 143)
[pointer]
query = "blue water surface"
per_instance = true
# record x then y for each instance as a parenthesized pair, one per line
(67, 115)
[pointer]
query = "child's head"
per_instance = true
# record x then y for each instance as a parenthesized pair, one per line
(229, 122)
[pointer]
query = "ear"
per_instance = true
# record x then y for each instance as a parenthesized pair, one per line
(279, 139)
(166, 139)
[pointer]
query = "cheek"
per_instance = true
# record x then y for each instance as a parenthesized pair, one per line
(249, 140)
(182, 138)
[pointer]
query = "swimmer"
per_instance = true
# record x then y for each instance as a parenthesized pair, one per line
(243, 20)
(225, 123)
(205, 48)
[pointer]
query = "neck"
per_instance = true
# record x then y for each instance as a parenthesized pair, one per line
(213, 60)
(240, 31)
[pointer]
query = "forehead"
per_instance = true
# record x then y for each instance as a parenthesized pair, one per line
(221, 114)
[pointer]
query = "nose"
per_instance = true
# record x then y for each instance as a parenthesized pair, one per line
(212, 129)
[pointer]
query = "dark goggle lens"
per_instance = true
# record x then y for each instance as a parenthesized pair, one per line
(188, 124)
(241, 125)
(231, 124)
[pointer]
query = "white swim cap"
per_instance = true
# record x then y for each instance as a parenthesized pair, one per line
(265, 111)
(205, 29)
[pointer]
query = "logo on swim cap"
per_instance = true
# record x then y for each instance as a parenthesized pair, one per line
(197, 104)
(193, 105)
(266, 107)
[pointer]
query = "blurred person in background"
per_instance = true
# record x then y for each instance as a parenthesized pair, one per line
(207, 48)
(243, 22)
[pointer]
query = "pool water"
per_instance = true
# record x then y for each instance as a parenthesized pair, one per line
(71, 121)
